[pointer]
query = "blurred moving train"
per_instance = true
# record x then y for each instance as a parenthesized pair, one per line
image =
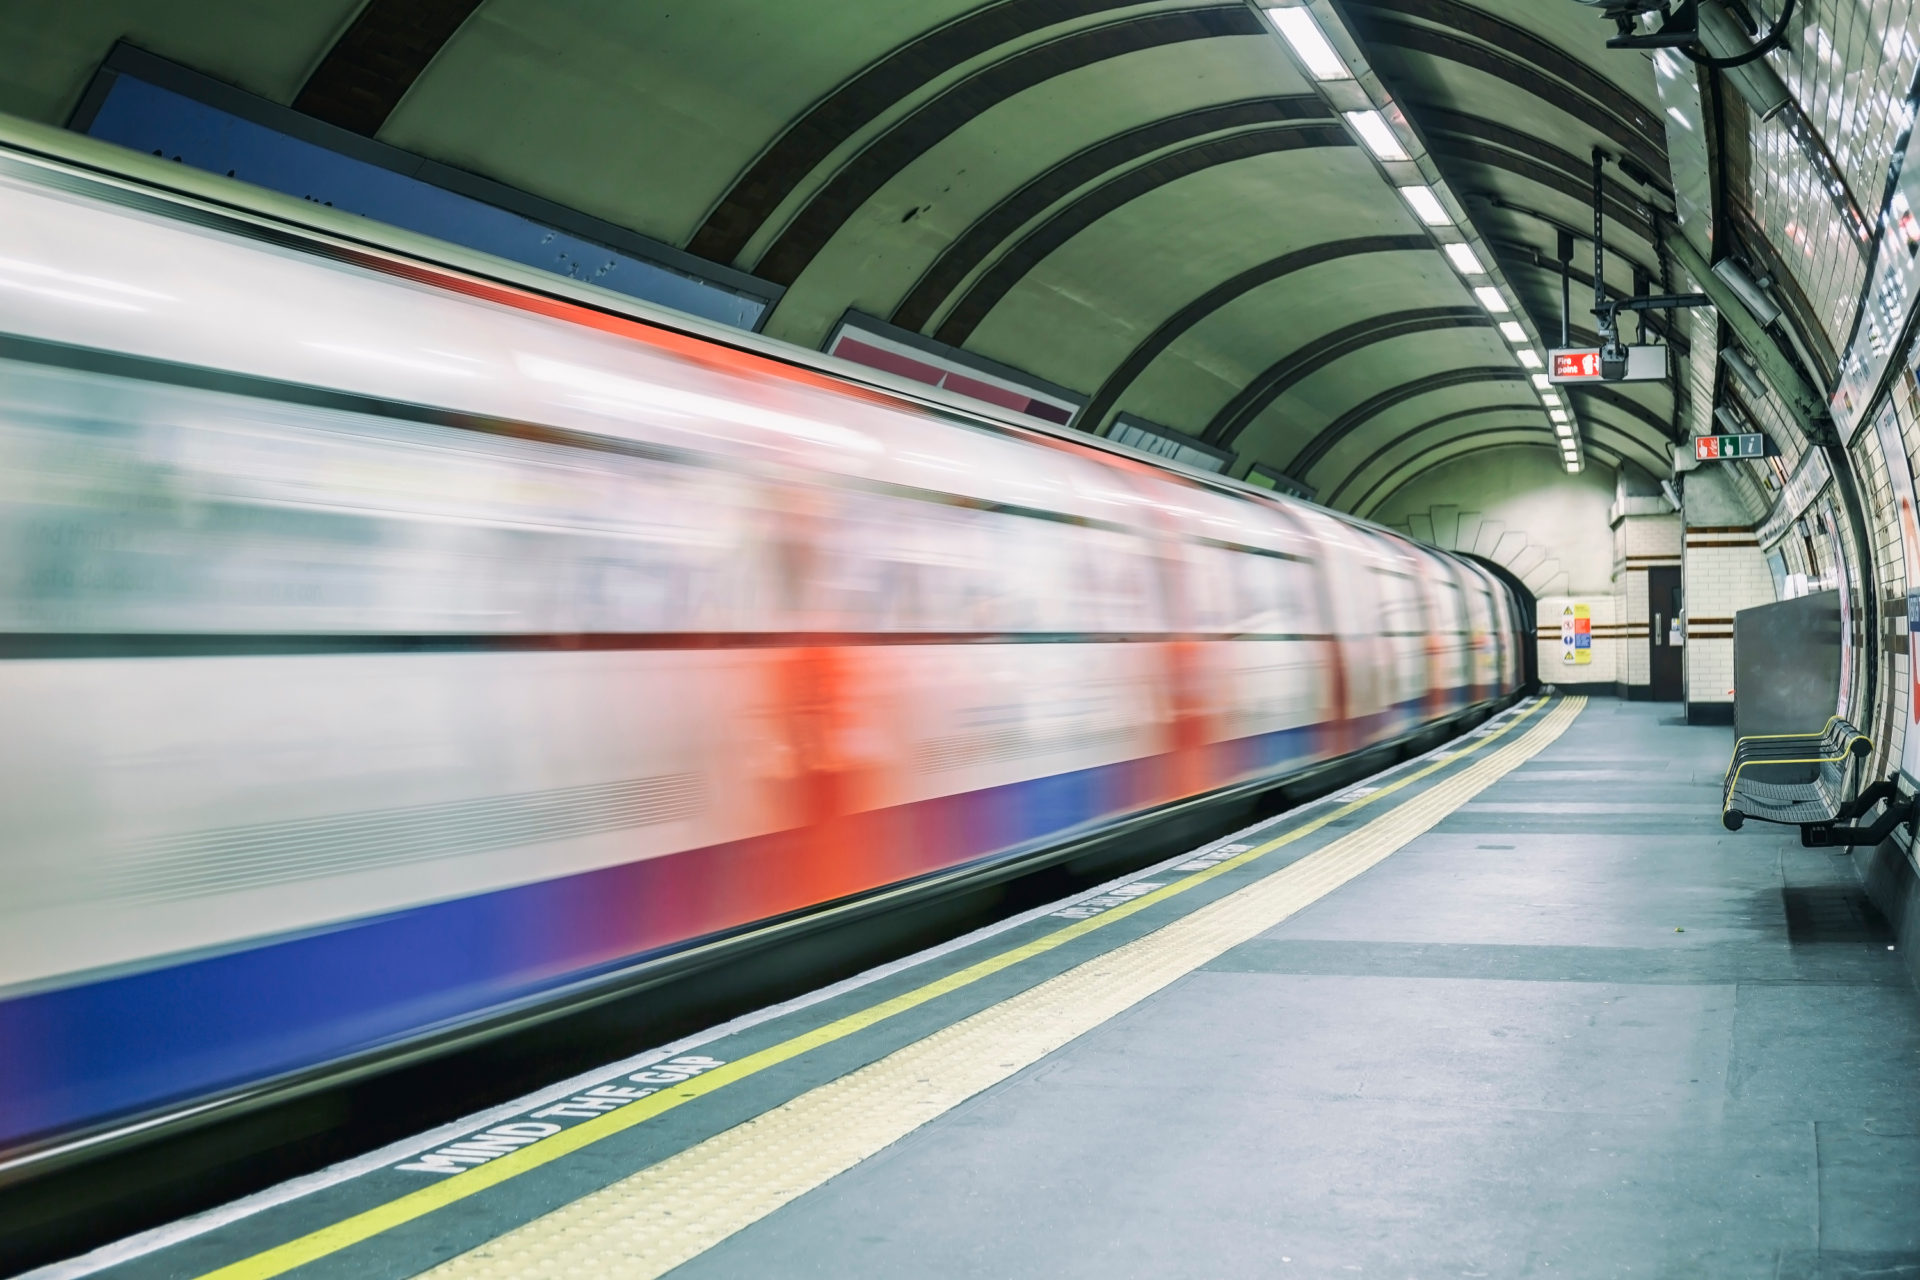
(387, 648)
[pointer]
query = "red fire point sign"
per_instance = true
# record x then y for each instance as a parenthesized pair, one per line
(1576, 364)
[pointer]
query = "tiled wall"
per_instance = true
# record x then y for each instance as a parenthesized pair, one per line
(1723, 571)
(1848, 64)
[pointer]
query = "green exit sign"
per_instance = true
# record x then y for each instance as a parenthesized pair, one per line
(1706, 448)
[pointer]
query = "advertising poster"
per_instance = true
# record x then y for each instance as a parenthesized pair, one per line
(1900, 478)
(1830, 521)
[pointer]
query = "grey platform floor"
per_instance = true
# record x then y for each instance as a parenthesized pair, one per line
(1576, 1030)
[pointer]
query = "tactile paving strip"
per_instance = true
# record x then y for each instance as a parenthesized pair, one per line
(651, 1222)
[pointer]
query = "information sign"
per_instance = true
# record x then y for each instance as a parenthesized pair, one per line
(1708, 448)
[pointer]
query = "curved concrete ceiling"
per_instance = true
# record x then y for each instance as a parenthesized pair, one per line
(1143, 201)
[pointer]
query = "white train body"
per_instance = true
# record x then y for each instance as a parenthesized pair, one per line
(382, 648)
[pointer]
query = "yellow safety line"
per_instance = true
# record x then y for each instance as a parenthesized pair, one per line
(416, 1204)
(655, 1220)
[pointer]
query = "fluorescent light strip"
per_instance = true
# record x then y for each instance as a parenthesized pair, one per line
(1558, 415)
(1428, 208)
(1466, 261)
(1310, 44)
(1380, 139)
(1491, 299)
(1529, 357)
(1542, 381)
(1512, 332)
(1551, 397)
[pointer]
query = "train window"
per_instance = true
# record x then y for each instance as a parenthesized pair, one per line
(1114, 586)
(1400, 611)
(1207, 581)
(1277, 596)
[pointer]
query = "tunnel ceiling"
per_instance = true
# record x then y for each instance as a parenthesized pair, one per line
(1148, 204)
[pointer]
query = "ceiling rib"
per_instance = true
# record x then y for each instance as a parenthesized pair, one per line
(999, 279)
(1297, 366)
(1435, 44)
(1410, 468)
(369, 69)
(1227, 291)
(1406, 163)
(1532, 51)
(1337, 430)
(1548, 176)
(1467, 125)
(822, 215)
(1531, 408)
(1429, 464)
(1617, 255)
(972, 247)
(1621, 404)
(830, 123)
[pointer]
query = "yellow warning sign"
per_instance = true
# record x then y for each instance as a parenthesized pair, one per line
(1576, 635)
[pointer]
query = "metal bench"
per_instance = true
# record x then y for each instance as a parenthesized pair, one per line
(1812, 794)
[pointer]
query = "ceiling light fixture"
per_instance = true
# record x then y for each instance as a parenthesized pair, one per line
(1427, 206)
(1491, 299)
(1379, 137)
(1542, 382)
(1466, 261)
(1551, 397)
(1310, 44)
(1512, 332)
(1558, 415)
(1529, 357)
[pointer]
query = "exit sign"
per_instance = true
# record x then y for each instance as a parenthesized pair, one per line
(1707, 448)
(1646, 362)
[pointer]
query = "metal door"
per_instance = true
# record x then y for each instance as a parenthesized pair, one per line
(1667, 622)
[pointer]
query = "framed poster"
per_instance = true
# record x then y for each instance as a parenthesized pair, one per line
(1893, 451)
(1830, 523)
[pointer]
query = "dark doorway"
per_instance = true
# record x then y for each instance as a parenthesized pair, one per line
(1667, 624)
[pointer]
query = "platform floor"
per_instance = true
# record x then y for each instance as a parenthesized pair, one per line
(1518, 1009)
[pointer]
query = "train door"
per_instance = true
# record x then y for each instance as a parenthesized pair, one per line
(1402, 630)
(1448, 637)
(1483, 638)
